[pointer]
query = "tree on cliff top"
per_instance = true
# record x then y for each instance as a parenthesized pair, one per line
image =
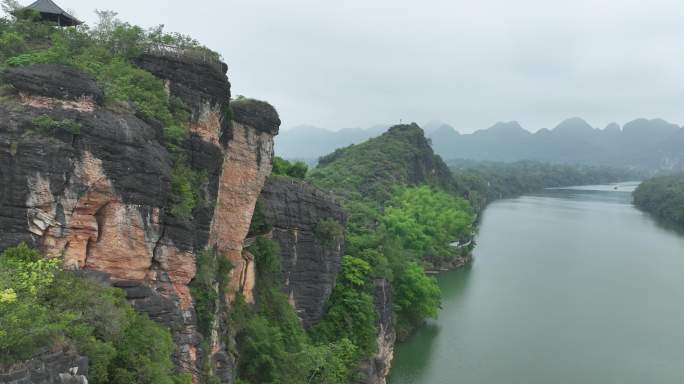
(10, 6)
(296, 169)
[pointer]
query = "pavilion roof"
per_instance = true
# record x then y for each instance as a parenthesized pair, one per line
(49, 7)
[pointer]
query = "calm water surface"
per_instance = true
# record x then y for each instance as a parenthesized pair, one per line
(567, 286)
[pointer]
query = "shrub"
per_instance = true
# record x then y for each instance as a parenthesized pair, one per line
(208, 289)
(282, 167)
(47, 125)
(185, 183)
(25, 323)
(416, 296)
(39, 305)
(208, 286)
(329, 232)
(273, 346)
(351, 311)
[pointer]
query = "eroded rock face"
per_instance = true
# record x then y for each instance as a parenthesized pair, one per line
(295, 209)
(377, 368)
(98, 199)
(54, 81)
(49, 367)
(245, 170)
(101, 198)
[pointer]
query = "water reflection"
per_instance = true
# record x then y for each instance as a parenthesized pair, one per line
(454, 286)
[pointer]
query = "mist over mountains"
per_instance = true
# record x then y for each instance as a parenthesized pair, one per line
(640, 144)
(308, 143)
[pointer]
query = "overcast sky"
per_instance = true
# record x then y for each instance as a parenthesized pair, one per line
(356, 63)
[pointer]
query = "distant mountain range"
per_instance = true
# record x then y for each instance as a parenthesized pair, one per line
(308, 143)
(640, 144)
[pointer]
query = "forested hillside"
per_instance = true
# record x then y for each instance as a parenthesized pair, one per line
(488, 181)
(404, 209)
(662, 196)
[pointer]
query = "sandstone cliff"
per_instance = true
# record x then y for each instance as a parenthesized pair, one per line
(297, 214)
(100, 196)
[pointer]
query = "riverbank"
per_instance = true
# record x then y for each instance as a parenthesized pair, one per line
(566, 286)
(663, 197)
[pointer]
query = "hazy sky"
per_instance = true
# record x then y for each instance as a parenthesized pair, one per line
(355, 63)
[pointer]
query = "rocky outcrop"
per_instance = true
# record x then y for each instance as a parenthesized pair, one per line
(101, 197)
(245, 170)
(202, 87)
(98, 198)
(49, 367)
(54, 81)
(297, 213)
(376, 369)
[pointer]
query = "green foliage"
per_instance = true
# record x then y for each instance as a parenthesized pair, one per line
(208, 289)
(208, 285)
(25, 323)
(143, 352)
(267, 260)
(417, 296)
(184, 186)
(370, 170)
(12, 43)
(351, 312)
(47, 125)
(329, 232)
(404, 209)
(39, 305)
(331, 363)
(426, 221)
(272, 344)
(282, 167)
(662, 196)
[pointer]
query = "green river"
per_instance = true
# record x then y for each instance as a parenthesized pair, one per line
(567, 286)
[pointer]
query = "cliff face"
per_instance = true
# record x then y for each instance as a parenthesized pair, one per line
(100, 197)
(376, 369)
(297, 213)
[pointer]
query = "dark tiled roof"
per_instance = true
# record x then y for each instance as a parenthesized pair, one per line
(48, 6)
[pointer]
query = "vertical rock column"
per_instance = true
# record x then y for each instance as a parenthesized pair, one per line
(247, 164)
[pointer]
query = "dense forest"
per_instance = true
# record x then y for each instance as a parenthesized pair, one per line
(663, 196)
(489, 181)
(41, 305)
